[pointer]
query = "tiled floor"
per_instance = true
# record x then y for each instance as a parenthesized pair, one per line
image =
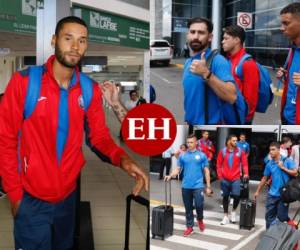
(106, 187)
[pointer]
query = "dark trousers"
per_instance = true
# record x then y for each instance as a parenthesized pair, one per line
(165, 162)
(188, 195)
(43, 225)
(276, 209)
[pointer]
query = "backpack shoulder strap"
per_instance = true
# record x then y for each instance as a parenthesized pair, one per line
(210, 58)
(33, 89)
(239, 67)
(86, 84)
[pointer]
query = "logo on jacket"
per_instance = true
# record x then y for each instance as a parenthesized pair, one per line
(80, 102)
(197, 157)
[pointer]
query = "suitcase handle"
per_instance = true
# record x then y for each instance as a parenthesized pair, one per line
(141, 200)
(166, 193)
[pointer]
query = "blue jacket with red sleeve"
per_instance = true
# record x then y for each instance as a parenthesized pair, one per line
(229, 164)
(28, 147)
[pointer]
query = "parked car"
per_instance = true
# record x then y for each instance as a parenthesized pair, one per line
(160, 51)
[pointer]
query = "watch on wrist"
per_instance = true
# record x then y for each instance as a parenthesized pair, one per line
(208, 76)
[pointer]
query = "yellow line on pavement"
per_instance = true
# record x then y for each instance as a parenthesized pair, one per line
(177, 65)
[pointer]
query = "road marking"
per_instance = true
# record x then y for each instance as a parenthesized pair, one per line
(195, 243)
(209, 222)
(248, 239)
(158, 248)
(210, 232)
(258, 221)
(162, 78)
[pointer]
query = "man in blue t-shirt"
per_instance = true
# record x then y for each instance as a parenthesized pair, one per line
(290, 102)
(243, 144)
(280, 169)
(196, 75)
(193, 163)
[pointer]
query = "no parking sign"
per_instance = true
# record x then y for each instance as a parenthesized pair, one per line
(244, 19)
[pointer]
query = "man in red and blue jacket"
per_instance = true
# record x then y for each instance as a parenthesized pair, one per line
(41, 157)
(233, 39)
(231, 165)
(290, 102)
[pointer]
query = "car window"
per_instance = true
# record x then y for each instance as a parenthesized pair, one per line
(160, 44)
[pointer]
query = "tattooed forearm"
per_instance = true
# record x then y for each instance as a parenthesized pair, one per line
(120, 111)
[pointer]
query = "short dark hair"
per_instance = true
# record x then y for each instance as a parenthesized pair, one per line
(208, 23)
(243, 133)
(204, 131)
(293, 8)
(235, 31)
(68, 19)
(132, 91)
(285, 139)
(275, 144)
(229, 137)
(191, 136)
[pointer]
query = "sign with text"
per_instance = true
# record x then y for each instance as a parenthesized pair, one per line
(113, 29)
(149, 129)
(20, 16)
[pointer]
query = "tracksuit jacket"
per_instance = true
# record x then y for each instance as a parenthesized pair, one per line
(28, 156)
(232, 173)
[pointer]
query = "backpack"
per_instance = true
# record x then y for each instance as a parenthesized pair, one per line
(152, 94)
(34, 87)
(33, 93)
(232, 113)
(265, 94)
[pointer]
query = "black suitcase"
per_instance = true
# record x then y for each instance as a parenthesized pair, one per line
(247, 214)
(163, 218)
(144, 202)
(244, 194)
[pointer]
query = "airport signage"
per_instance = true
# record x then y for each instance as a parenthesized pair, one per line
(20, 16)
(113, 29)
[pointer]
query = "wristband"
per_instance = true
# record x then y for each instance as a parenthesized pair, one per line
(208, 76)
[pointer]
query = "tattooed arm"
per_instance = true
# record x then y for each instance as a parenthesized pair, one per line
(111, 95)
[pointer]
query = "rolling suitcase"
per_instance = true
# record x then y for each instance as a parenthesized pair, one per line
(244, 189)
(162, 217)
(280, 236)
(247, 214)
(144, 202)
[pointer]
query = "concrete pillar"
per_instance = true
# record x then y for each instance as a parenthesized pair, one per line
(222, 133)
(146, 76)
(47, 17)
(182, 133)
(216, 19)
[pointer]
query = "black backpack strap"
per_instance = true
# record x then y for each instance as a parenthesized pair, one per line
(209, 60)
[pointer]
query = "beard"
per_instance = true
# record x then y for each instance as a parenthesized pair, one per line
(197, 46)
(60, 56)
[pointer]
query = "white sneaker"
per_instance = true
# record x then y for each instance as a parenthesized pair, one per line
(231, 202)
(233, 217)
(225, 220)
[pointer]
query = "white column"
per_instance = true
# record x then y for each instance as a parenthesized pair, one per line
(146, 75)
(47, 17)
(216, 19)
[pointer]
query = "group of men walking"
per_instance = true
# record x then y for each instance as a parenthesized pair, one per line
(216, 85)
(232, 169)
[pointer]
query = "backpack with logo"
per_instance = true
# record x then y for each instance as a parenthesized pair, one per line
(232, 113)
(265, 94)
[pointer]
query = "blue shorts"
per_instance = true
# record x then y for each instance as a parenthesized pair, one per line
(231, 187)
